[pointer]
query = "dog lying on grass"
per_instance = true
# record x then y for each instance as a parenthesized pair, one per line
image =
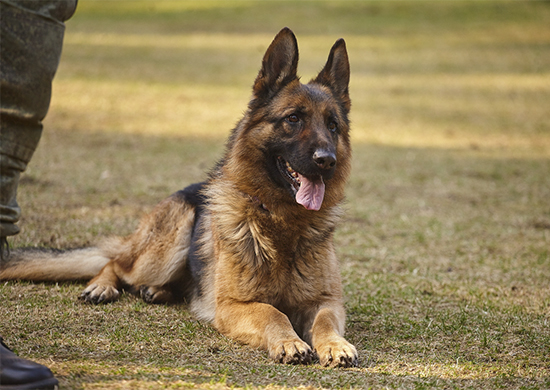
(251, 248)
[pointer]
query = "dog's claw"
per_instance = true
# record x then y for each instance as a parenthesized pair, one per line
(338, 353)
(292, 352)
(99, 294)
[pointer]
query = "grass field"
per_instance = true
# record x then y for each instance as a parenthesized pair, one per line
(445, 246)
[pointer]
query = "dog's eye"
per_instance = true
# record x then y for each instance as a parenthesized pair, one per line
(332, 126)
(293, 118)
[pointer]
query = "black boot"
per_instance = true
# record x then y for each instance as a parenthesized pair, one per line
(20, 374)
(4, 251)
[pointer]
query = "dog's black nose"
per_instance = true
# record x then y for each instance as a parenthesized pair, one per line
(325, 159)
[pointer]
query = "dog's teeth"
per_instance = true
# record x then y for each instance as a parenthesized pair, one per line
(290, 170)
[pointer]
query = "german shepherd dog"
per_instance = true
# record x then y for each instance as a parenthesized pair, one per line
(251, 248)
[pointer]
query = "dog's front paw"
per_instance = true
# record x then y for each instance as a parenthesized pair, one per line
(337, 352)
(96, 293)
(293, 351)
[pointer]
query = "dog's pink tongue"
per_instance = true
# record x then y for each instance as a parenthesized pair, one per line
(311, 193)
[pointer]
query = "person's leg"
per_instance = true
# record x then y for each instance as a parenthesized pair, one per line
(31, 37)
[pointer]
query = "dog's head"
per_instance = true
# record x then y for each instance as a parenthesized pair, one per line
(302, 130)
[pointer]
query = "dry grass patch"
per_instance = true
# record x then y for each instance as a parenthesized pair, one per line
(445, 247)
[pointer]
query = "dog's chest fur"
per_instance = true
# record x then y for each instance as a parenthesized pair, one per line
(253, 255)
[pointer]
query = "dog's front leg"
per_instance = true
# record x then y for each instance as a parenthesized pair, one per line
(326, 336)
(262, 325)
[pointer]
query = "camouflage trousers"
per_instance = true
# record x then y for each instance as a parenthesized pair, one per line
(31, 38)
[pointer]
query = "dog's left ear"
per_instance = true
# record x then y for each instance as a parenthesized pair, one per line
(335, 74)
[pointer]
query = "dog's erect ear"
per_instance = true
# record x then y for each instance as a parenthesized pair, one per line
(279, 64)
(335, 74)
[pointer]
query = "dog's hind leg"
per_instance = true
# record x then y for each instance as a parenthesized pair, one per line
(150, 260)
(162, 264)
(104, 288)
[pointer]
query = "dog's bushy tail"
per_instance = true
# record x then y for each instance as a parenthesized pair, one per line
(39, 264)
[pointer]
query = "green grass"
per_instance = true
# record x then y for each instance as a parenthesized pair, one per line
(445, 246)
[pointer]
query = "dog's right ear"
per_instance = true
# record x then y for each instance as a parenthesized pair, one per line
(279, 65)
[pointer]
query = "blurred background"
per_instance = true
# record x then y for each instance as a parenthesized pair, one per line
(435, 73)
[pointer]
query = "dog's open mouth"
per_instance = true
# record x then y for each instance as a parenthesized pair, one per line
(309, 192)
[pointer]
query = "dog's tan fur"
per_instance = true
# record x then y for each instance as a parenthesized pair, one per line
(238, 247)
